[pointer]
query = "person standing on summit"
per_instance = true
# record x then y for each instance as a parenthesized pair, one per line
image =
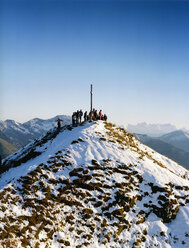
(59, 123)
(74, 118)
(80, 115)
(85, 116)
(100, 114)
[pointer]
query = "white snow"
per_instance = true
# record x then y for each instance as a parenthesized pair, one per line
(92, 148)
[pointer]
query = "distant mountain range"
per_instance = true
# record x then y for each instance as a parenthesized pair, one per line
(165, 139)
(14, 135)
(179, 139)
(165, 147)
(154, 130)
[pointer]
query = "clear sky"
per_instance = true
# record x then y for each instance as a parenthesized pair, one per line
(136, 54)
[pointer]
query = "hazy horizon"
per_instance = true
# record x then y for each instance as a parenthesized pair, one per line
(116, 122)
(134, 52)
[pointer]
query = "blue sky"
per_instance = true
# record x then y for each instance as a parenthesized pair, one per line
(135, 53)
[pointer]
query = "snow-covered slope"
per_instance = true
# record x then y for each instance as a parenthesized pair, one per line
(94, 185)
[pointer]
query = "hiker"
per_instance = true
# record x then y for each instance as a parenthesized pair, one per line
(95, 115)
(100, 115)
(77, 117)
(85, 116)
(59, 123)
(91, 115)
(105, 117)
(80, 115)
(74, 118)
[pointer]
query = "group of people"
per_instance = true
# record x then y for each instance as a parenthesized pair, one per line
(95, 115)
(76, 117)
(92, 116)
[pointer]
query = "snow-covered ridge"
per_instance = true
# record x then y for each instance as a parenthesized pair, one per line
(94, 186)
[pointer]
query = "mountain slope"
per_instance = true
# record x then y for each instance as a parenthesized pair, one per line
(19, 134)
(179, 139)
(6, 148)
(178, 155)
(9, 140)
(93, 186)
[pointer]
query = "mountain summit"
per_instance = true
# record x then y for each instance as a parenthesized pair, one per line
(93, 185)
